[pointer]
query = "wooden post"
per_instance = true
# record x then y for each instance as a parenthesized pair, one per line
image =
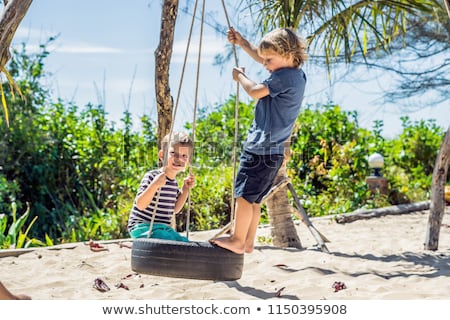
(437, 206)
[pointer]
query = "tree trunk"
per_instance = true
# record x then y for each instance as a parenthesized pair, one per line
(163, 55)
(379, 212)
(437, 206)
(282, 226)
(12, 15)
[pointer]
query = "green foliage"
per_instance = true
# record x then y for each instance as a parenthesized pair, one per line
(417, 146)
(215, 133)
(211, 198)
(213, 164)
(70, 164)
(411, 157)
(328, 163)
(8, 191)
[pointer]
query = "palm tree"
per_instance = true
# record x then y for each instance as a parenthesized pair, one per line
(447, 6)
(335, 30)
(163, 55)
(10, 18)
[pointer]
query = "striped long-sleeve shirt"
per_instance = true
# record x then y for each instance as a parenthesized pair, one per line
(165, 205)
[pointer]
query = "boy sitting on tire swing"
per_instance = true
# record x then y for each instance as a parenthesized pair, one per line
(159, 197)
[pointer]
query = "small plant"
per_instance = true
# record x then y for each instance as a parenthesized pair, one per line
(265, 240)
(13, 237)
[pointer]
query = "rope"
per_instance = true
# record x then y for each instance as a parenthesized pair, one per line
(229, 27)
(194, 121)
(236, 122)
(175, 109)
(236, 130)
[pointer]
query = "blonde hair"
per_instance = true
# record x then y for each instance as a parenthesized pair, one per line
(180, 138)
(286, 43)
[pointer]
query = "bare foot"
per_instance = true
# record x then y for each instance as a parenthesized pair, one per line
(229, 243)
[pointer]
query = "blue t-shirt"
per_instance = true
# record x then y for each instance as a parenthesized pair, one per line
(275, 114)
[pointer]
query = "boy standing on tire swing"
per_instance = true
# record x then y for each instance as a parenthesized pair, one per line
(280, 96)
(159, 196)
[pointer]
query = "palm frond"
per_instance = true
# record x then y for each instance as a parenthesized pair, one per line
(13, 88)
(5, 106)
(341, 28)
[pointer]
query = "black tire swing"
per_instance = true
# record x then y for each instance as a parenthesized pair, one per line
(191, 260)
(194, 259)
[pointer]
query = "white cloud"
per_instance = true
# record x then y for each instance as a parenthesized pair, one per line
(33, 38)
(85, 48)
(211, 46)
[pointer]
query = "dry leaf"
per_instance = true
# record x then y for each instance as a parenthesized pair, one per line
(100, 285)
(278, 293)
(338, 286)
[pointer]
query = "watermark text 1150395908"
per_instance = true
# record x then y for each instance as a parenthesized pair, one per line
(285, 309)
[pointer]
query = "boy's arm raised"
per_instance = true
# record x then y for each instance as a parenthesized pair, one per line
(143, 200)
(235, 37)
(188, 184)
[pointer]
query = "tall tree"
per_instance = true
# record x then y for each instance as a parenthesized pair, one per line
(163, 55)
(417, 63)
(437, 207)
(12, 14)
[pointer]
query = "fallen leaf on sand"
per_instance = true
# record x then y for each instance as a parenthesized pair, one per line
(278, 293)
(128, 276)
(123, 286)
(100, 285)
(338, 286)
(96, 247)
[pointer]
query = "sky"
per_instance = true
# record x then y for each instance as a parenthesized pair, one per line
(104, 53)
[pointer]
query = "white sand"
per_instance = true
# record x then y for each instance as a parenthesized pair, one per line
(379, 258)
